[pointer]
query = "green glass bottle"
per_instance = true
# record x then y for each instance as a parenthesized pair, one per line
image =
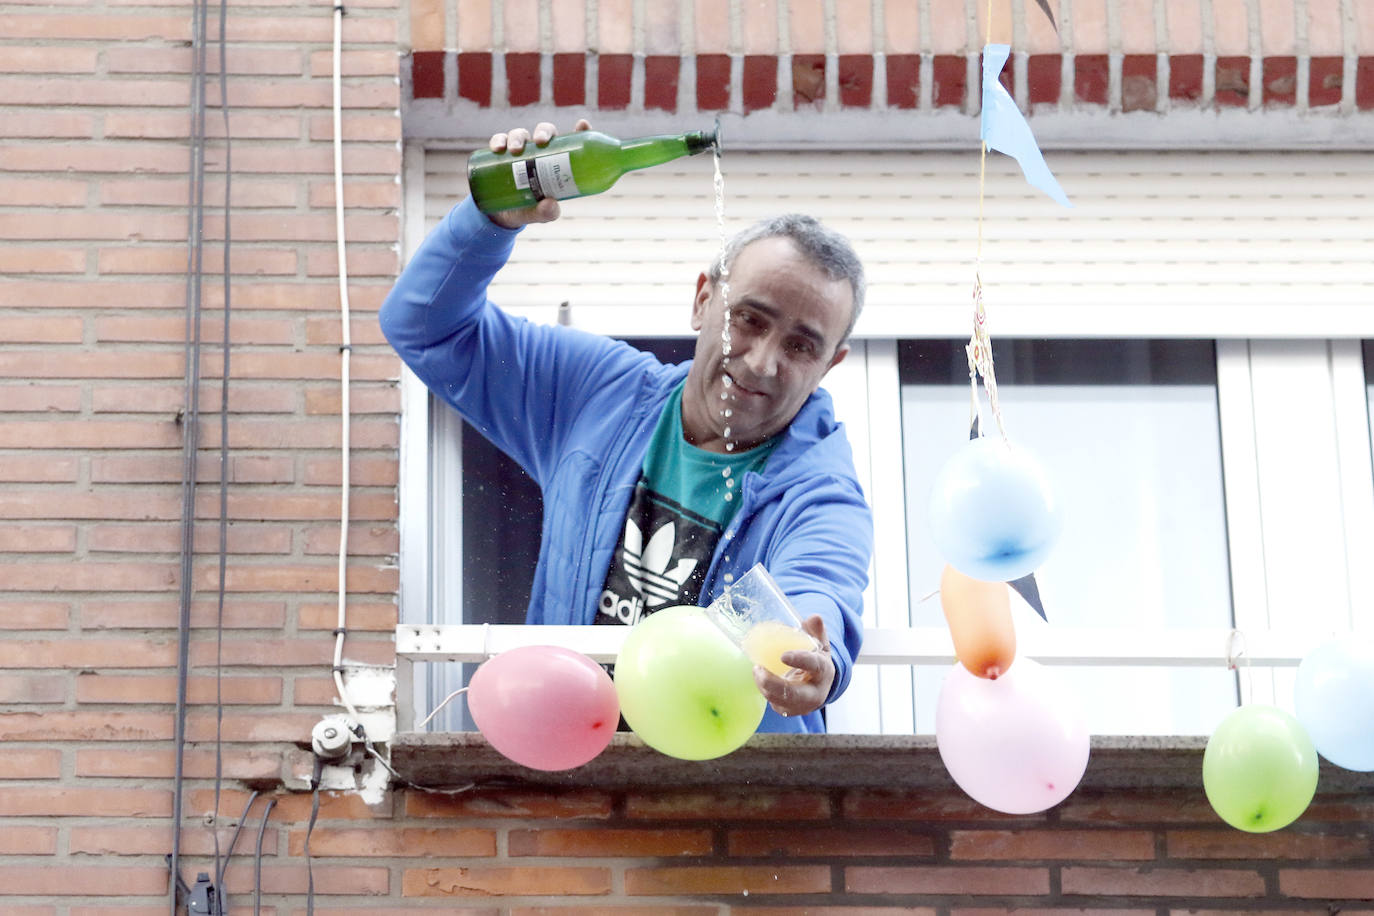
(572, 165)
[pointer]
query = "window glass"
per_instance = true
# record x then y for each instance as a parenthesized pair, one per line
(1128, 433)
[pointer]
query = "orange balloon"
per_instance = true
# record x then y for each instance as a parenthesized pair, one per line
(979, 618)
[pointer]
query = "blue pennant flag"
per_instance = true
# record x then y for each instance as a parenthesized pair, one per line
(1005, 130)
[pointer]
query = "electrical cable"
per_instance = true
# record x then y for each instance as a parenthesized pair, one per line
(345, 350)
(190, 416)
(223, 467)
(220, 869)
(257, 859)
(315, 781)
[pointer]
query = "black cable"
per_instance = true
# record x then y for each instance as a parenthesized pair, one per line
(309, 829)
(191, 416)
(229, 854)
(223, 462)
(257, 859)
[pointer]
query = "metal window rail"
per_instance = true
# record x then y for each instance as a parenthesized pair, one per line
(1198, 648)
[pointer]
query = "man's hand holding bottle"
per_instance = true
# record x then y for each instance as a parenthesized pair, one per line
(514, 141)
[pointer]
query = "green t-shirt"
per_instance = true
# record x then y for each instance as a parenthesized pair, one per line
(682, 503)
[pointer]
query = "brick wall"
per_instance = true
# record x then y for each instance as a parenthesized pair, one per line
(94, 158)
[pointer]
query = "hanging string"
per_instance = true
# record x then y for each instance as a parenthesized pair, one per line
(979, 347)
(1235, 651)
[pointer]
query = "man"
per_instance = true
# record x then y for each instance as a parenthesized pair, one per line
(662, 484)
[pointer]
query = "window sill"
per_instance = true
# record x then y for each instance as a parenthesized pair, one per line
(830, 761)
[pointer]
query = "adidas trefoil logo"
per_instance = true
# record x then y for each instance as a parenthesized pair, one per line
(647, 566)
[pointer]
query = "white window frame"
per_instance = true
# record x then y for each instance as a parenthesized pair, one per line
(1265, 443)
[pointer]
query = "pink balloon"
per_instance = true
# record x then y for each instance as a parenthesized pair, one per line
(1017, 744)
(544, 707)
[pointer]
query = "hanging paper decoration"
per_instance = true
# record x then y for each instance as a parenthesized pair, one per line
(1005, 130)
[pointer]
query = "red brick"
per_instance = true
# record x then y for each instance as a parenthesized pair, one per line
(570, 79)
(77, 91)
(884, 804)
(760, 83)
(157, 840)
(474, 77)
(44, 192)
(297, 652)
(258, 766)
(85, 26)
(661, 74)
(1280, 81)
(290, 809)
(154, 689)
(357, 194)
(522, 78)
(32, 689)
(511, 803)
(37, 538)
(370, 541)
(33, 398)
(1091, 73)
(337, 880)
(143, 259)
(836, 841)
(34, 615)
(404, 842)
(46, 125)
(82, 880)
(32, 259)
(28, 841)
(1139, 82)
(144, 125)
(30, 763)
(949, 80)
(1325, 81)
(364, 262)
(48, 59)
(598, 842)
(61, 725)
(1233, 82)
(88, 653)
(808, 80)
(357, 127)
(427, 74)
(728, 804)
(1162, 882)
(1138, 808)
(495, 881)
(728, 879)
(329, 402)
(126, 398)
(83, 801)
(1364, 83)
(903, 80)
(237, 726)
(713, 82)
(1044, 78)
(37, 469)
(1286, 844)
(241, 60)
(1051, 844)
(941, 879)
(87, 577)
(856, 80)
(1328, 883)
(102, 503)
(364, 472)
(646, 910)
(94, 156)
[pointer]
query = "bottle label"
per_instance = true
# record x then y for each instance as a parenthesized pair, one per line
(546, 176)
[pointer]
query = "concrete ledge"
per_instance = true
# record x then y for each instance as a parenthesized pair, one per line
(820, 761)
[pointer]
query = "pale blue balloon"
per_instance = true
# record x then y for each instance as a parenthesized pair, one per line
(992, 513)
(1334, 699)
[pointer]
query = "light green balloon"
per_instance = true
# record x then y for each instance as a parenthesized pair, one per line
(1259, 769)
(685, 689)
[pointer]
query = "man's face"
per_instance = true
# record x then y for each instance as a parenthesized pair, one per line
(786, 322)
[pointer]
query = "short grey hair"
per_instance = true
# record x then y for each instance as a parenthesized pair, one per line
(822, 246)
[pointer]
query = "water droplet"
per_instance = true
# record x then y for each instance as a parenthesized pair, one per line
(727, 380)
(729, 496)
(729, 412)
(729, 446)
(727, 432)
(725, 473)
(729, 484)
(723, 395)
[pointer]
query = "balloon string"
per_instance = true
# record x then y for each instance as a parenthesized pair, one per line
(439, 707)
(979, 348)
(1235, 650)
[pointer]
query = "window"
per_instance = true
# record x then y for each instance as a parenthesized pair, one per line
(1128, 433)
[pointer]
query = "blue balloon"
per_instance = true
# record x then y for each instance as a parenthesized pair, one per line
(1334, 699)
(992, 513)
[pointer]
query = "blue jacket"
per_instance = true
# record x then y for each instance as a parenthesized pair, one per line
(577, 410)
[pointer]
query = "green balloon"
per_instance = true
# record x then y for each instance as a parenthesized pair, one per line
(1259, 769)
(685, 689)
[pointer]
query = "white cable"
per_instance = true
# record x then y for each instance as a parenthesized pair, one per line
(345, 350)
